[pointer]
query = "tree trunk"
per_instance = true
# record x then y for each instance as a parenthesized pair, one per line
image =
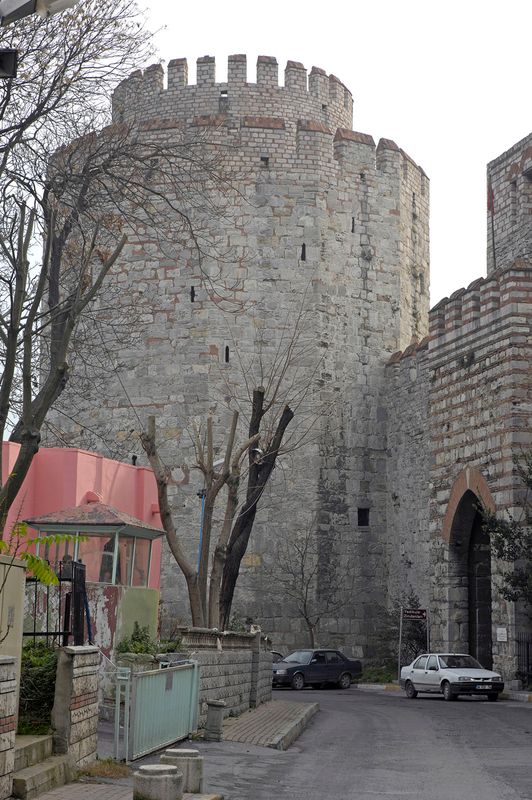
(258, 477)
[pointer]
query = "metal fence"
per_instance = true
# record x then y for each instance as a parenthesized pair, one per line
(160, 707)
(58, 613)
(524, 657)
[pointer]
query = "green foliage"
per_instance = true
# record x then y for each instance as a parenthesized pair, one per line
(140, 641)
(511, 539)
(37, 687)
(169, 645)
(386, 637)
(379, 673)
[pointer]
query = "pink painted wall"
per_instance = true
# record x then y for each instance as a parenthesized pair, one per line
(61, 477)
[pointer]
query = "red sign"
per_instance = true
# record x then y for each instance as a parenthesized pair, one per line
(415, 613)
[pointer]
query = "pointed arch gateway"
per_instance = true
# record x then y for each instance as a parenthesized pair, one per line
(469, 566)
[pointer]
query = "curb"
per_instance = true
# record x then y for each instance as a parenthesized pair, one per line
(290, 732)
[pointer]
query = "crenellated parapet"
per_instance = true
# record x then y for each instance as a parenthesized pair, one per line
(485, 299)
(304, 96)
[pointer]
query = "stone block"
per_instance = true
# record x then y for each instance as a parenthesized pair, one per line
(158, 782)
(190, 763)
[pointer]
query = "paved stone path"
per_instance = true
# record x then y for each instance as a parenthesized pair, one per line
(274, 724)
(106, 791)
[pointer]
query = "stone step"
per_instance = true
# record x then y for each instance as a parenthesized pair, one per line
(30, 750)
(33, 781)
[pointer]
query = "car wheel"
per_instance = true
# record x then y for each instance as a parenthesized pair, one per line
(493, 696)
(448, 692)
(410, 691)
(344, 681)
(298, 681)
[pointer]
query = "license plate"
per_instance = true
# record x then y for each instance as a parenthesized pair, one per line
(483, 686)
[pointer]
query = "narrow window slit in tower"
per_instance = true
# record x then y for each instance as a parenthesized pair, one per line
(363, 517)
(265, 161)
(352, 224)
(226, 354)
(303, 252)
(192, 294)
(513, 202)
(324, 106)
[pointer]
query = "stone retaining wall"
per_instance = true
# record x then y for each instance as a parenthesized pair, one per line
(8, 693)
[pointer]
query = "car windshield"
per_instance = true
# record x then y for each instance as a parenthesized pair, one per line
(459, 662)
(299, 657)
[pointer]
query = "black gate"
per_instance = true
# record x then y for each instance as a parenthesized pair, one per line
(58, 611)
(524, 658)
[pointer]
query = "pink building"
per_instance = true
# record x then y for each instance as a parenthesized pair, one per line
(114, 505)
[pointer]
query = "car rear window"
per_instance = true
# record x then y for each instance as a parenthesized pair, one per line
(299, 656)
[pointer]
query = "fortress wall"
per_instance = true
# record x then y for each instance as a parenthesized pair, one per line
(408, 465)
(509, 216)
(480, 416)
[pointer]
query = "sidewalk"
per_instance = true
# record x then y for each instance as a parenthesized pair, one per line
(275, 724)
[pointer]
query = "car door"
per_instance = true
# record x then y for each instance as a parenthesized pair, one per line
(417, 673)
(432, 675)
(316, 672)
(335, 665)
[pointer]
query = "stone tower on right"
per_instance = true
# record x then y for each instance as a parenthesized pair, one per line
(459, 414)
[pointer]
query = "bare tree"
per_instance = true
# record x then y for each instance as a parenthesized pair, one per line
(312, 582)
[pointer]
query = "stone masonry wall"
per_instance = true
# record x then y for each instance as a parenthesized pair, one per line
(322, 216)
(8, 699)
(480, 416)
(75, 710)
(408, 465)
(224, 675)
(510, 206)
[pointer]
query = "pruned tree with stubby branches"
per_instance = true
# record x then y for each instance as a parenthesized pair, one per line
(74, 190)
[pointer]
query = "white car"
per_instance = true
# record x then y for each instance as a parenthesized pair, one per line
(450, 674)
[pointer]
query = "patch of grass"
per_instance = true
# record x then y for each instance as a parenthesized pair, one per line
(106, 768)
(377, 674)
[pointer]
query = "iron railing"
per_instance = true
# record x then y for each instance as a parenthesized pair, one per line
(58, 612)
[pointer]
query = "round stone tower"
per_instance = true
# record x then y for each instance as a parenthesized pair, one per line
(321, 213)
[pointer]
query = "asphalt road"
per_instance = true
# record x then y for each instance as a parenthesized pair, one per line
(366, 746)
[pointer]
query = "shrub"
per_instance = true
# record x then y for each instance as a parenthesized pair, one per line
(38, 667)
(140, 641)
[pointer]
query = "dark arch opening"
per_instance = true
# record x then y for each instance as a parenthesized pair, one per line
(470, 623)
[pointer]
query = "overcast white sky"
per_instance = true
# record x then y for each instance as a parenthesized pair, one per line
(449, 82)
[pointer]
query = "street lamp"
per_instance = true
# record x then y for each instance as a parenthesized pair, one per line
(13, 10)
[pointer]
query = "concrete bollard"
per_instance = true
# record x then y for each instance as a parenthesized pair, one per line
(158, 782)
(215, 718)
(190, 763)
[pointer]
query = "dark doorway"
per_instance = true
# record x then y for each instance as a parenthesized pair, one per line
(479, 594)
(470, 624)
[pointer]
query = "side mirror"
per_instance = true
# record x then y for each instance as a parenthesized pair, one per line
(314, 661)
